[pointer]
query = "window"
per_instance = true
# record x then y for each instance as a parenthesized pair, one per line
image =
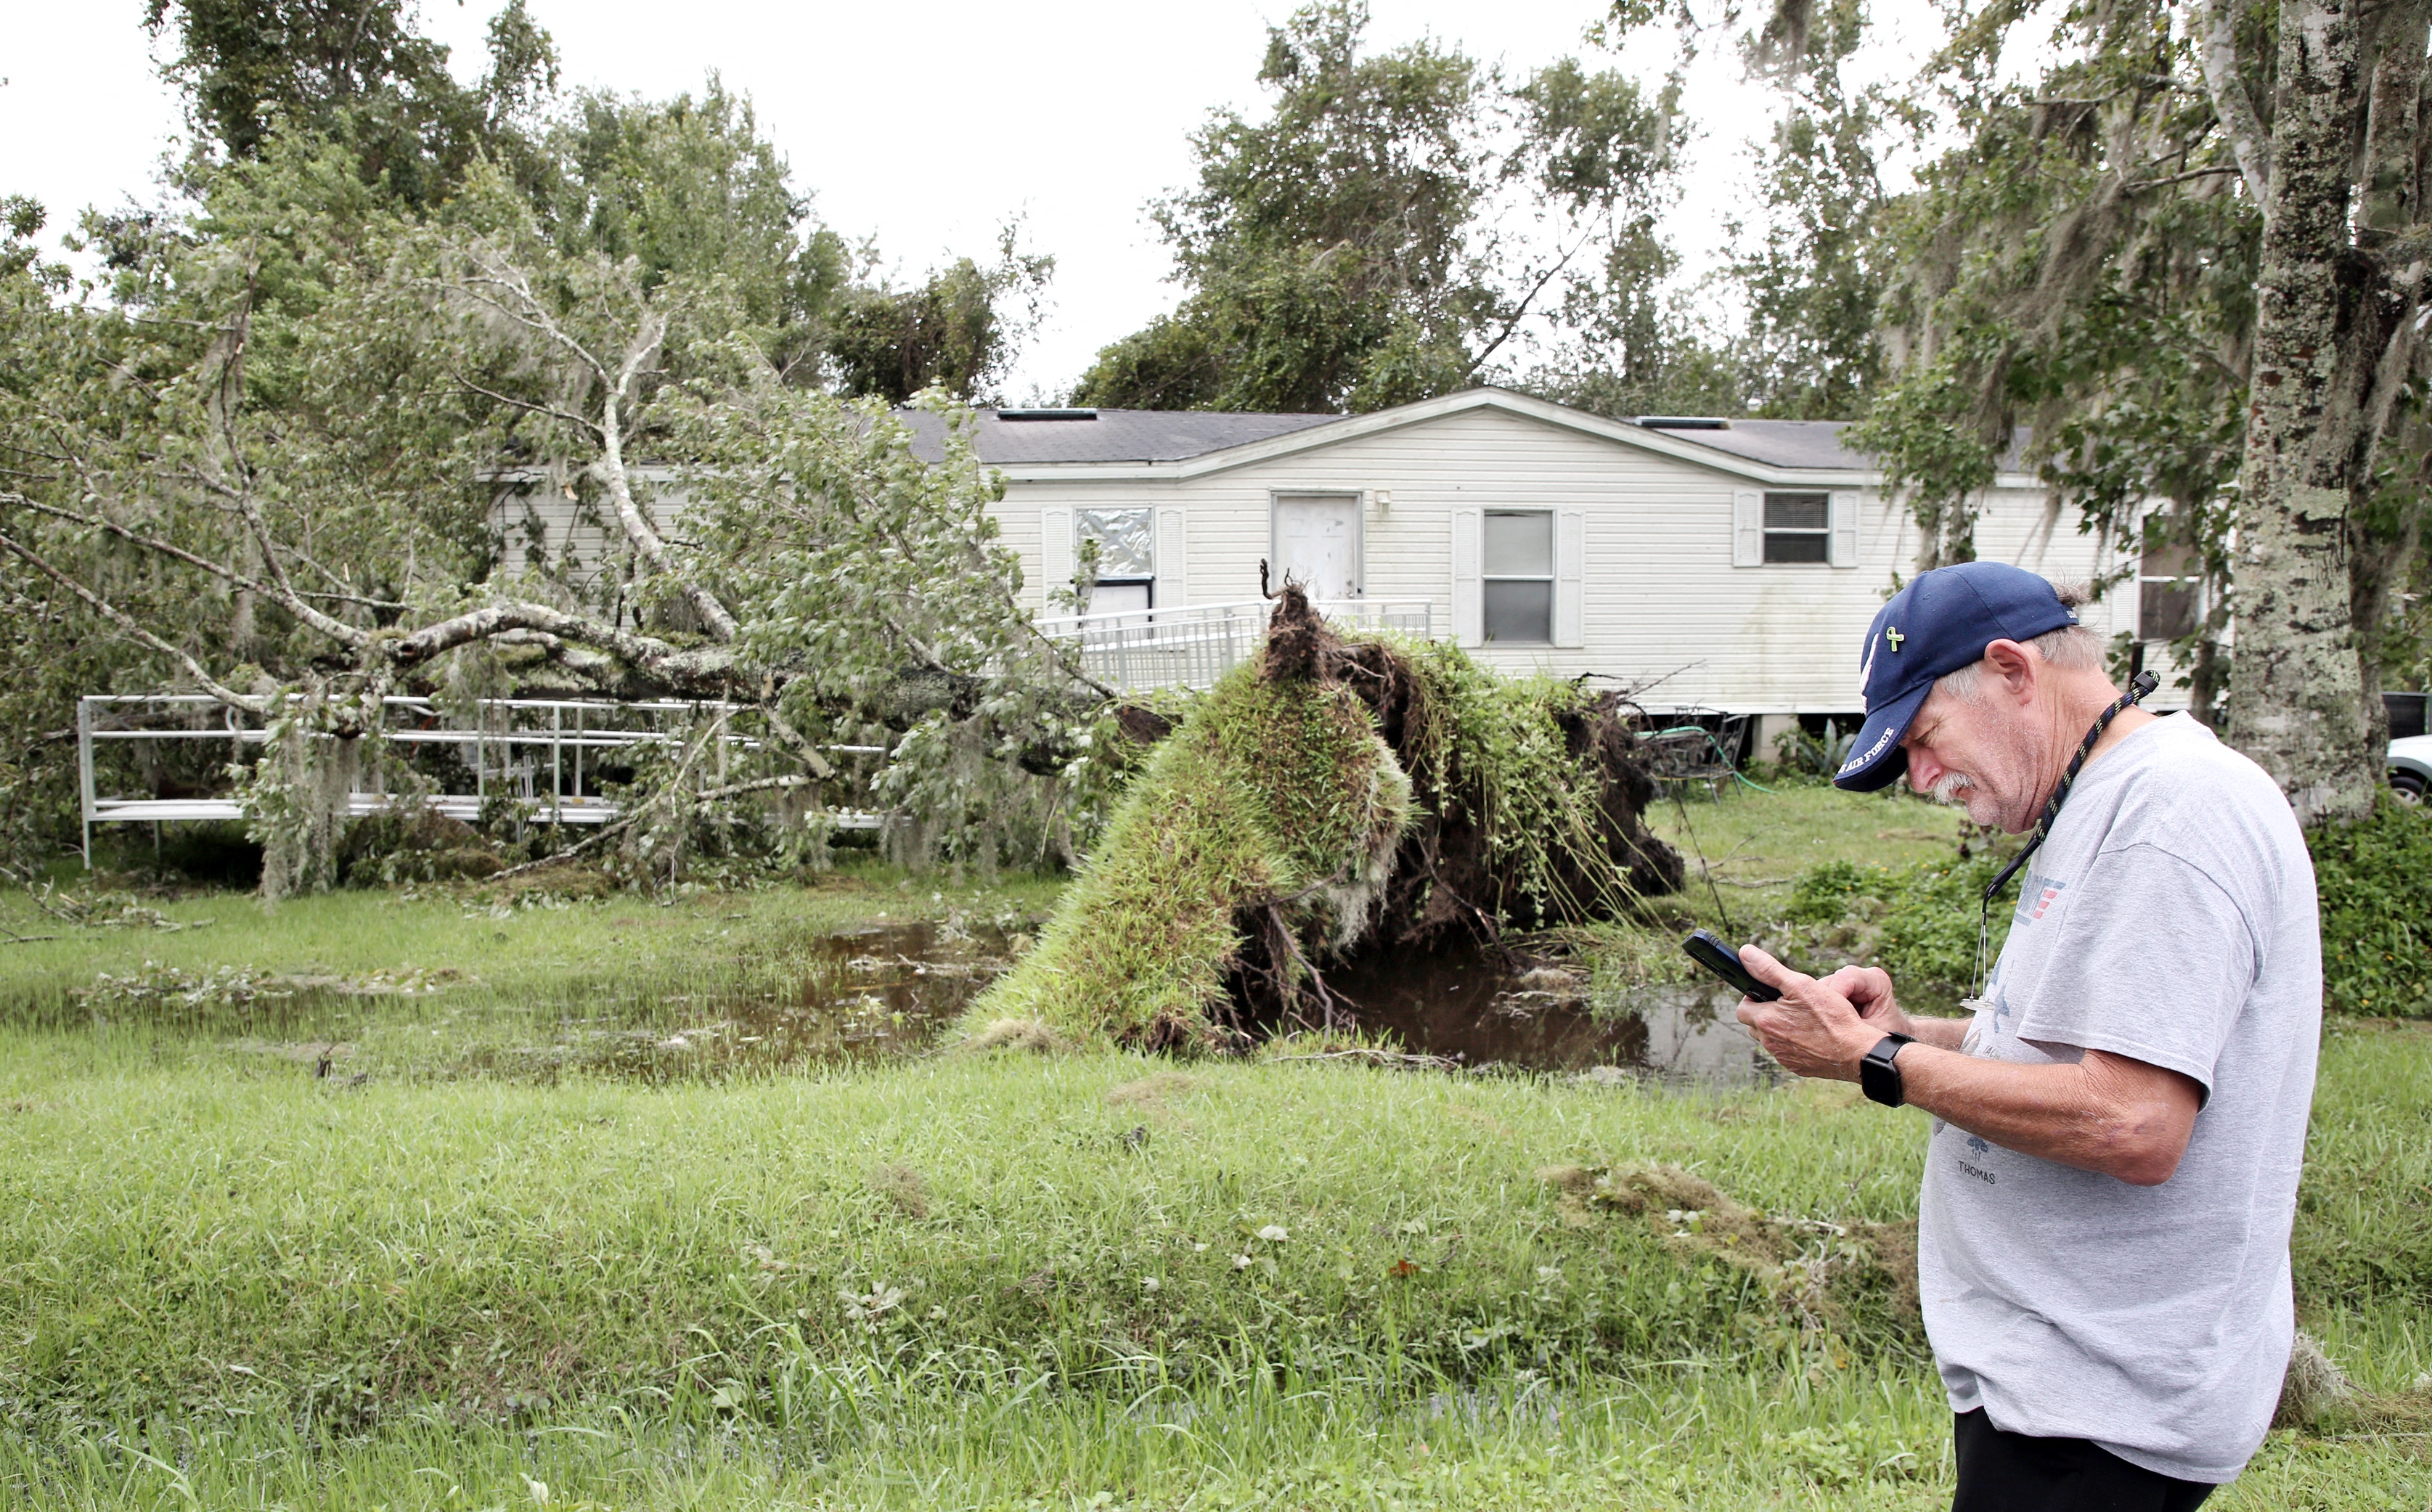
(1519, 577)
(1125, 542)
(2170, 594)
(1798, 526)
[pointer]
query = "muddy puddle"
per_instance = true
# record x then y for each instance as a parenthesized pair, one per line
(1481, 1009)
(814, 1000)
(868, 994)
(876, 994)
(893, 991)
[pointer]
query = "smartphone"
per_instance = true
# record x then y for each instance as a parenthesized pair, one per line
(1708, 950)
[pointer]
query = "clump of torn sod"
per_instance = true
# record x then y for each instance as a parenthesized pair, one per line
(1841, 1277)
(1337, 794)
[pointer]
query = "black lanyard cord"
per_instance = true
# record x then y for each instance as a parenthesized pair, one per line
(2139, 687)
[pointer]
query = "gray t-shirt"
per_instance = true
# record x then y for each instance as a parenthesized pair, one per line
(2169, 917)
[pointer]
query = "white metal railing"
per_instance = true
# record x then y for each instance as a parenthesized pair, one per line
(1193, 645)
(532, 751)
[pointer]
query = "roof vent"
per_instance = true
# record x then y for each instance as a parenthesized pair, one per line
(1047, 414)
(1681, 422)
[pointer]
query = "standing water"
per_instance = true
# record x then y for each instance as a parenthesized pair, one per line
(1482, 1008)
(885, 992)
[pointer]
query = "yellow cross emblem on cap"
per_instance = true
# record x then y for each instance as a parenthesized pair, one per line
(1895, 637)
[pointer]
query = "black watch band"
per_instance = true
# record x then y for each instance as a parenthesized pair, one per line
(1878, 1073)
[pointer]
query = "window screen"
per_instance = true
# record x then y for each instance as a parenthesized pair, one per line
(2170, 594)
(1117, 597)
(1519, 545)
(1798, 526)
(1518, 590)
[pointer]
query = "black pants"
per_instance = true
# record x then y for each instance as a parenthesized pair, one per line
(2017, 1473)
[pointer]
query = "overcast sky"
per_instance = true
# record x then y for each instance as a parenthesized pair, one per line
(926, 125)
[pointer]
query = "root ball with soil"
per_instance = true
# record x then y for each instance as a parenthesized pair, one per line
(1343, 792)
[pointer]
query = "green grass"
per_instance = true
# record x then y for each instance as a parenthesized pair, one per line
(224, 1282)
(510, 950)
(482, 1278)
(488, 1241)
(1754, 844)
(1744, 851)
(496, 984)
(1856, 1440)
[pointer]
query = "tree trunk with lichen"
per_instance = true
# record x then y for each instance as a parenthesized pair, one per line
(2335, 344)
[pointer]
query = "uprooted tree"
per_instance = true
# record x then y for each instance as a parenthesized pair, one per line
(273, 479)
(1338, 793)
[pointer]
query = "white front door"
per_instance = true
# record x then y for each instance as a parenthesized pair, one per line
(1317, 543)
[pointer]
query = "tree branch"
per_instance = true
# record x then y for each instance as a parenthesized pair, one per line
(526, 405)
(497, 619)
(803, 750)
(2227, 86)
(2140, 185)
(759, 784)
(336, 630)
(610, 470)
(136, 632)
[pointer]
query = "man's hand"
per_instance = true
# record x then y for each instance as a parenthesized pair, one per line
(1817, 1028)
(1870, 991)
(2102, 1113)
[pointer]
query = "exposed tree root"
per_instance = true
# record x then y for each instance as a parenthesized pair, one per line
(1339, 795)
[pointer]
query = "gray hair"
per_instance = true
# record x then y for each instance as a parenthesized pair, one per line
(2071, 648)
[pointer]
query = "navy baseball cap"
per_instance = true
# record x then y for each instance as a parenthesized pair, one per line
(1939, 622)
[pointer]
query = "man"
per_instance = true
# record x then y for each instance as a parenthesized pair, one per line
(2102, 1238)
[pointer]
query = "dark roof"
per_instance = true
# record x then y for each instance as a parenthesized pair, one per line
(1780, 443)
(1808, 443)
(1011, 437)
(1114, 436)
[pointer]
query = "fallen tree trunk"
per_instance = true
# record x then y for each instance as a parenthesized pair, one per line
(1339, 795)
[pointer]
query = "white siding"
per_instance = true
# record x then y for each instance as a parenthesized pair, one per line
(1053, 538)
(1173, 555)
(1646, 590)
(1468, 582)
(545, 517)
(1657, 595)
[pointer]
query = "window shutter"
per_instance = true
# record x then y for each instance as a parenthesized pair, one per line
(1172, 588)
(1570, 549)
(1844, 529)
(1469, 593)
(1748, 529)
(1055, 558)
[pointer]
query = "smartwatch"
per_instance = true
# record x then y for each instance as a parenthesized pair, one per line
(1878, 1073)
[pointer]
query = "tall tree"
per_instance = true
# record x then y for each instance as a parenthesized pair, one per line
(683, 185)
(2186, 256)
(2338, 363)
(955, 331)
(1813, 281)
(1337, 255)
(2077, 265)
(356, 69)
(691, 187)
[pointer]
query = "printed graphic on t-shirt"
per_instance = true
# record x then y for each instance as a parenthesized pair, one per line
(2037, 897)
(1979, 1147)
